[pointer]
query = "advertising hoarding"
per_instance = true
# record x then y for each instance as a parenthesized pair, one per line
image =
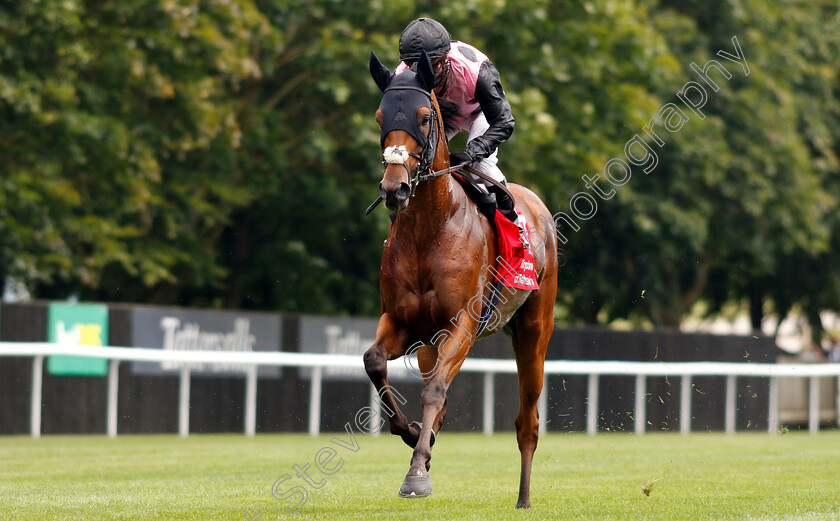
(77, 324)
(180, 329)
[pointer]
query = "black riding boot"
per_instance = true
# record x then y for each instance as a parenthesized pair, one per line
(487, 205)
(505, 204)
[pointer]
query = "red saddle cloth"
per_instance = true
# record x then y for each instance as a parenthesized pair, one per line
(515, 262)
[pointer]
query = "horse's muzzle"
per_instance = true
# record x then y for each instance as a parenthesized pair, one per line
(396, 198)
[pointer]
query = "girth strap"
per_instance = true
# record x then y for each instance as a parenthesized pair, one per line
(488, 311)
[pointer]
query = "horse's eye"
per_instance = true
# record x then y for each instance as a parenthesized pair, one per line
(426, 120)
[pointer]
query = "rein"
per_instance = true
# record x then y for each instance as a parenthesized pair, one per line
(472, 170)
(421, 178)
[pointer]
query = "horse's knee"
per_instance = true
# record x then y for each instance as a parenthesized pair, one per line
(530, 397)
(376, 363)
(527, 422)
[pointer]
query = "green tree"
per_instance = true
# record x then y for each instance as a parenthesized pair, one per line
(222, 153)
(120, 142)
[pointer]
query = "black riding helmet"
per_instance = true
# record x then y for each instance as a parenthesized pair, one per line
(424, 34)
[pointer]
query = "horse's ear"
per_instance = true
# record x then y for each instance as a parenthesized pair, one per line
(425, 73)
(381, 74)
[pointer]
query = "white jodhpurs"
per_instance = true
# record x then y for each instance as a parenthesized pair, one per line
(488, 165)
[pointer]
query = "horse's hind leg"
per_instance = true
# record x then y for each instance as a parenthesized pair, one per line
(391, 342)
(532, 331)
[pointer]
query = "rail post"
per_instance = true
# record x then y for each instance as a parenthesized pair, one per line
(685, 404)
(641, 410)
(251, 401)
(814, 404)
(729, 411)
(488, 414)
(184, 404)
(315, 401)
(113, 396)
(37, 396)
(592, 404)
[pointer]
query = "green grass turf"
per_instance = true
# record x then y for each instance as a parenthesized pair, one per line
(700, 476)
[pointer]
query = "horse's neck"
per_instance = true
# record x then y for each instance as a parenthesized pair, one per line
(430, 208)
(433, 200)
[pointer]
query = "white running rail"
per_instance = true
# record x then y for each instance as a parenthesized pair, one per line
(489, 367)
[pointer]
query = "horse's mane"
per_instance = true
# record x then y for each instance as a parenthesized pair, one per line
(448, 109)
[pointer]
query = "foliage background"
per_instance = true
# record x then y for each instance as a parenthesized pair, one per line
(221, 153)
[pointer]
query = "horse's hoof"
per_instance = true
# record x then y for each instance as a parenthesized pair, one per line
(416, 486)
(420, 427)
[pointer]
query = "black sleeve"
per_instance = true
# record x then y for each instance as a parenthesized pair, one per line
(494, 104)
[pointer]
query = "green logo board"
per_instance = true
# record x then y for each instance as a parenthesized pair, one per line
(78, 324)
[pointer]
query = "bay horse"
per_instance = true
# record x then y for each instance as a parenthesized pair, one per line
(435, 261)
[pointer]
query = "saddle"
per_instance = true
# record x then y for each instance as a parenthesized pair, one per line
(516, 261)
(486, 202)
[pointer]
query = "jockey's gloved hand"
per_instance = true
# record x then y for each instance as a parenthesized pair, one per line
(459, 158)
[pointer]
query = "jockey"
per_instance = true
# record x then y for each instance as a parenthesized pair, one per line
(471, 100)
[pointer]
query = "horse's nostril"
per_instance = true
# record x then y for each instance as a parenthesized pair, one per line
(396, 195)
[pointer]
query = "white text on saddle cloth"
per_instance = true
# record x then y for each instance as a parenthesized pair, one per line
(516, 262)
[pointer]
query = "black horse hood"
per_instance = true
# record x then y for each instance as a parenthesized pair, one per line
(403, 98)
(405, 93)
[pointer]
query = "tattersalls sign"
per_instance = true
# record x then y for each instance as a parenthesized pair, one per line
(177, 329)
(344, 336)
(190, 337)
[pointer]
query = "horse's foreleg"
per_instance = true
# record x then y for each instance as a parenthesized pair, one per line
(391, 342)
(452, 348)
(530, 341)
(417, 482)
(427, 360)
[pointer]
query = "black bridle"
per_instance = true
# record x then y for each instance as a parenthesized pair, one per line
(427, 154)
